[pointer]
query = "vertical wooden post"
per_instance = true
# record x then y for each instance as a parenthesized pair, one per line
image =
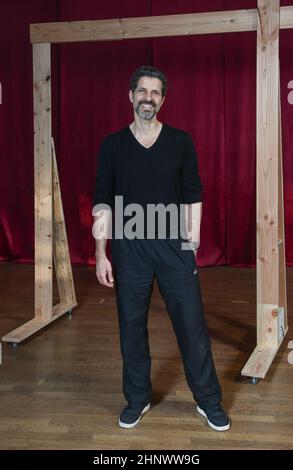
(267, 150)
(43, 180)
(267, 145)
(270, 314)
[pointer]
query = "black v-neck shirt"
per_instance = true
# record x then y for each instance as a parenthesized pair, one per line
(166, 172)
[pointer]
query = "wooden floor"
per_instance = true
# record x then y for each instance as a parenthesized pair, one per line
(62, 388)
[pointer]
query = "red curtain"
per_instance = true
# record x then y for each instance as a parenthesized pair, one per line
(211, 95)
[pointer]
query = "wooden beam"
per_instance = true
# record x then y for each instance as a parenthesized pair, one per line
(286, 17)
(267, 150)
(60, 243)
(36, 324)
(259, 362)
(43, 180)
(283, 320)
(153, 26)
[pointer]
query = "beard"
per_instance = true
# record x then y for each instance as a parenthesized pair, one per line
(146, 114)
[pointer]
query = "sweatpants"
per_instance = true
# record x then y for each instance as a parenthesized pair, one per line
(135, 265)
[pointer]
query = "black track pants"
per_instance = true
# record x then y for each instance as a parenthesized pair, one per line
(135, 264)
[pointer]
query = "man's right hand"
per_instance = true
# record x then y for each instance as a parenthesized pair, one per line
(104, 270)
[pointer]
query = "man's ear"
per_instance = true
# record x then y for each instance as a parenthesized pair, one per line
(130, 96)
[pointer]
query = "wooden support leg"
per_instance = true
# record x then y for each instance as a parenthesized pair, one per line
(60, 244)
(271, 285)
(283, 317)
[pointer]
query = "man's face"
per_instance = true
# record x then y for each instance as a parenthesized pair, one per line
(147, 98)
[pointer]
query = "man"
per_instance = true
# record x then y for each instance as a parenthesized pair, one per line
(150, 163)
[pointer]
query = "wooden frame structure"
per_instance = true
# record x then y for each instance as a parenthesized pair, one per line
(267, 19)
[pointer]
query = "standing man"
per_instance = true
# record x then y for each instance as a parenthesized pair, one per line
(151, 164)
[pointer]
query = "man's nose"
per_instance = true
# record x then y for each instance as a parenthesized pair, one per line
(148, 95)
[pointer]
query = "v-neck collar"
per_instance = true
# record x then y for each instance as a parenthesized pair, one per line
(142, 146)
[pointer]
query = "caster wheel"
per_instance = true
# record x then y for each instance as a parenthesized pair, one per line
(254, 380)
(69, 314)
(14, 345)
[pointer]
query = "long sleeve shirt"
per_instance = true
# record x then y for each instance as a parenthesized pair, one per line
(165, 173)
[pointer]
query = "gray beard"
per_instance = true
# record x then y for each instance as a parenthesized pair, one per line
(147, 115)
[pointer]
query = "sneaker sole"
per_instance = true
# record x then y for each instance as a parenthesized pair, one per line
(127, 425)
(211, 425)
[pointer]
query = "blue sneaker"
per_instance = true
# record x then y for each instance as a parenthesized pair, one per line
(131, 415)
(216, 417)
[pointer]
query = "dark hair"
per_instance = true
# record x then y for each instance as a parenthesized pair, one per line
(148, 71)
